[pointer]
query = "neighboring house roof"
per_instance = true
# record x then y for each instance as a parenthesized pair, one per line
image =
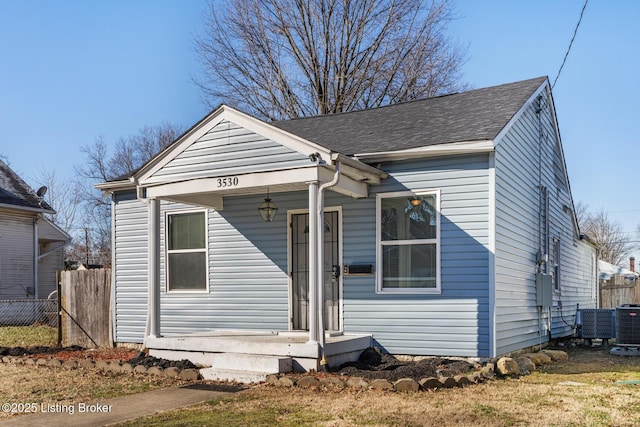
(14, 192)
(606, 270)
(475, 115)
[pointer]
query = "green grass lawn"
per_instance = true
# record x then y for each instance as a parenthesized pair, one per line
(28, 336)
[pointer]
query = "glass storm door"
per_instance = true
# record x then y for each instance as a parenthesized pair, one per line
(300, 271)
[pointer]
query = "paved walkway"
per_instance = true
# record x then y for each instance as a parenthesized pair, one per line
(120, 409)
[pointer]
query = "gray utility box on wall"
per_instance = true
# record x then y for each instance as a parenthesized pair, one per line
(544, 290)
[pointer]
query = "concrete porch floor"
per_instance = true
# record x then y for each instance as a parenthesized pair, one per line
(213, 348)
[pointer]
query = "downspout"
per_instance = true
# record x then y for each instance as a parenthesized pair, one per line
(320, 268)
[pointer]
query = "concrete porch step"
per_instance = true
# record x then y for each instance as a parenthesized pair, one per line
(251, 363)
(246, 377)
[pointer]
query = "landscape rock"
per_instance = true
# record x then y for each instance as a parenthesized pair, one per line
(126, 368)
(171, 372)
(41, 362)
(332, 382)
(357, 382)
(448, 382)
(431, 383)
(155, 370)
(188, 374)
(556, 355)
(70, 364)
(526, 365)
(539, 358)
(272, 379)
(88, 364)
(380, 384)
(308, 381)
(285, 382)
(406, 385)
(462, 380)
(506, 366)
(488, 370)
(140, 369)
(54, 363)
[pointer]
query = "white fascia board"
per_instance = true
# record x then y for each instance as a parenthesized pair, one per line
(111, 186)
(241, 119)
(24, 208)
(446, 149)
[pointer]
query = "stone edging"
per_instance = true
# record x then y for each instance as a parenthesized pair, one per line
(105, 366)
(503, 367)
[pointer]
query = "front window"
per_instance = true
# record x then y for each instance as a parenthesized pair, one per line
(408, 232)
(186, 252)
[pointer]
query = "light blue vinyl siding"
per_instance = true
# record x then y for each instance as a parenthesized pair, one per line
(519, 170)
(228, 149)
(456, 322)
(130, 267)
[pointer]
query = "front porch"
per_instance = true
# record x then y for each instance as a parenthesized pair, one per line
(248, 356)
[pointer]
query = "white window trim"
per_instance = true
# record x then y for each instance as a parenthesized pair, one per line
(166, 252)
(379, 273)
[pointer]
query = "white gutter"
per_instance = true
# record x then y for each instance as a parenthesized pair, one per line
(320, 261)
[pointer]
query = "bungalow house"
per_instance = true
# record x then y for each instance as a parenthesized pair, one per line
(31, 247)
(441, 226)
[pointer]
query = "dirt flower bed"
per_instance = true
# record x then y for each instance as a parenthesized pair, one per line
(117, 354)
(373, 364)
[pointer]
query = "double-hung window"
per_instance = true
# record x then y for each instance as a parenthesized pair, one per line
(187, 251)
(408, 239)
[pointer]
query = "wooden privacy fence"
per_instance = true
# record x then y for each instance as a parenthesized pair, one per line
(86, 307)
(617, 291)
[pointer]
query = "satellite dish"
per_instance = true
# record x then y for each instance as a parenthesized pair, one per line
(41, 191)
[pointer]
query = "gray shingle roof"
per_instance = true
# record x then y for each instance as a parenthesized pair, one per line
(474, 115)
(14, 191)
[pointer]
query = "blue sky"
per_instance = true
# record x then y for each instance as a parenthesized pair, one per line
(74, 70)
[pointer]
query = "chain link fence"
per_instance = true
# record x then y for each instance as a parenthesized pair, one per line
(29, 323)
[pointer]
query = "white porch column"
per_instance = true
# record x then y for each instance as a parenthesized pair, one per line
(313, 263)
(154, 268)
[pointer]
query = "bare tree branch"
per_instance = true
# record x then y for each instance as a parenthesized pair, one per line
(615, 245)
(281, 59)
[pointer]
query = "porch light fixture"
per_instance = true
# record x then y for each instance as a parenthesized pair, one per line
(268, 209)
(415, 202)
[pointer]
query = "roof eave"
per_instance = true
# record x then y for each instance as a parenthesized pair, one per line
(445, 149)
(112, 186)
(26, 208)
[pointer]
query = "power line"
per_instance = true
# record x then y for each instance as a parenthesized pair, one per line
(570, 43)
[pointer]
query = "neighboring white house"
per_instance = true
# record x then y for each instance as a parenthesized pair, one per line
(31, 247)
(448, 228)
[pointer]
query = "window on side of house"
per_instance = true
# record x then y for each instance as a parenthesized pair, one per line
(556, 265)
(187, 251)
(408, 242)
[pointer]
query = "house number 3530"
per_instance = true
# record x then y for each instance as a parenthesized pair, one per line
(231, 181)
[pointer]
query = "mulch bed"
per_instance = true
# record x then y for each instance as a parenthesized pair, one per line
(374, 364)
